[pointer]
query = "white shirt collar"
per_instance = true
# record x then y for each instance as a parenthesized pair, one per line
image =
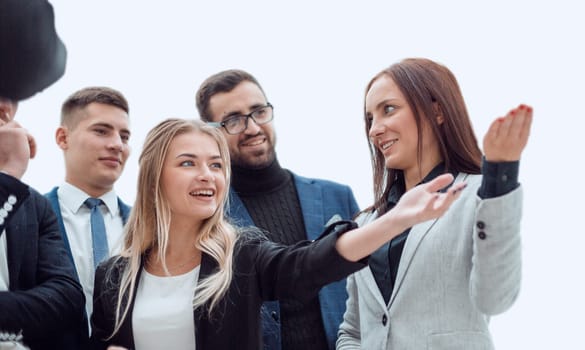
(73, 198)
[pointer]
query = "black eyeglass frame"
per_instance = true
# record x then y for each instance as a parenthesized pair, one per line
(248, 116)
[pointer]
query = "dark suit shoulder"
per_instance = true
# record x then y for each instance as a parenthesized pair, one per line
(328, 184)
(38, 198)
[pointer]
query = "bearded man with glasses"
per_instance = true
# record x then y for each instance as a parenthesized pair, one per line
(288, 207)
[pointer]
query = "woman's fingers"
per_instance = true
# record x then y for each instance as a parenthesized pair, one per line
(507, 136)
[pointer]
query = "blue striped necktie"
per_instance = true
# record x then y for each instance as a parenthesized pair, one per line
(98, 231)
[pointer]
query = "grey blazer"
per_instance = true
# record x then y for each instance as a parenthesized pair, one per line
(454, 273)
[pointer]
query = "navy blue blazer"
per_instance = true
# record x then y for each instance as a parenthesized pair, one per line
(83, 332)
(54, 199)
(320, 201)
(44, 300)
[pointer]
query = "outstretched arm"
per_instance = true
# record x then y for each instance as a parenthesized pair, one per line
(419, 204)
(497, 259)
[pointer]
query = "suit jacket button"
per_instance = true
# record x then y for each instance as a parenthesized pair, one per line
(384, 320)
(480, 225)
(274, 315)
(481, 235)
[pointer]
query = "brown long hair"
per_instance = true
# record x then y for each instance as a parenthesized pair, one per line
(430, 89)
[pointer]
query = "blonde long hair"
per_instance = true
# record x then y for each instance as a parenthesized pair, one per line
(147, 230)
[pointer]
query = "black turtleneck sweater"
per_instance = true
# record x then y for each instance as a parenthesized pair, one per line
(271, 198)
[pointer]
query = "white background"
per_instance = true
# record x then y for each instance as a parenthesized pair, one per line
(314, 59)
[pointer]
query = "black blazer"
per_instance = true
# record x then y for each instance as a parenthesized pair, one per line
(45, 301)
(262, 271)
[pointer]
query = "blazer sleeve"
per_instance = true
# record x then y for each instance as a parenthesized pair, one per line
(497, 258)
(299, 271)
(47, 297)
(354, 207)
(12, 194)
(349, 336)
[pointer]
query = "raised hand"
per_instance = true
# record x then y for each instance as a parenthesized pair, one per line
(507, 136)
(17, 146)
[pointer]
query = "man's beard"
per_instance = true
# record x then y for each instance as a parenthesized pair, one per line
(255, 160)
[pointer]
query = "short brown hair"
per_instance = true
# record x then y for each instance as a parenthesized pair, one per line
(82, 98)
(224, 81)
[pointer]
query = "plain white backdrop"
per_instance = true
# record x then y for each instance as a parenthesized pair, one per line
(314, 59)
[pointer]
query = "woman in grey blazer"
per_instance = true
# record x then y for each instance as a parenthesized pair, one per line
(436, 285)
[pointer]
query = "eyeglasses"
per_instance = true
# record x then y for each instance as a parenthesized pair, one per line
(239, 123)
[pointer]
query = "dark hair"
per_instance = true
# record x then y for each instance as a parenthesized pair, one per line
(224, 81)
(32, 55)
(82, 98)
(430, 89)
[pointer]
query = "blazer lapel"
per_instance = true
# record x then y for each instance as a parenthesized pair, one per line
(15, 245)
(415, 237)
(208, 265)
(366, 273)
(369, 280)
(236, 210)
(124, 211)
(53, 197)
(311, 199)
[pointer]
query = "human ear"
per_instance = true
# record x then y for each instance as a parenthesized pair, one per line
(61, 137)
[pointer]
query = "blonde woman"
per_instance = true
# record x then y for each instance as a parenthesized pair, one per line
(188, 279)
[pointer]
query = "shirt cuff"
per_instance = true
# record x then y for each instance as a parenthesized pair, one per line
(499, 178)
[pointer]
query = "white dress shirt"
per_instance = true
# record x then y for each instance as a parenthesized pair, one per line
(76, 219)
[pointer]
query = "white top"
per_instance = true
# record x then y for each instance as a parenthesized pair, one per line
(163, 311)
(4, 277)
(76, 218)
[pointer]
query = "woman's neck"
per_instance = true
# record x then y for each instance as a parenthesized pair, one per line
(181, 255)
(414, 176)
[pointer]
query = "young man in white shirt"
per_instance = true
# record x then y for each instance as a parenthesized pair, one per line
(93, 135)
